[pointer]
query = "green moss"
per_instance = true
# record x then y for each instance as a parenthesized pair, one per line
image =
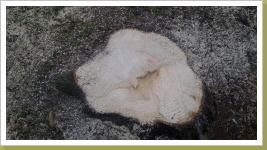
(75, 32)
(23, 113)
(159, 10)
(52, 10)
(33, 131)
(8, 39)
(45, 68)
(56, 53)
(56, 9)
(48, 67)
(116, 8)
(84, 29)
(76, 43)
(132, 15)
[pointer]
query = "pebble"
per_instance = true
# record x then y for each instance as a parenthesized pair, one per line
(199, 64)
(234, 120)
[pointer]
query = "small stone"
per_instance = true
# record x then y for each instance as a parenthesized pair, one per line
(199, 64)
(234, 120)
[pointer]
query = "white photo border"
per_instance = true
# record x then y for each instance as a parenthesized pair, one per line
(257, 142)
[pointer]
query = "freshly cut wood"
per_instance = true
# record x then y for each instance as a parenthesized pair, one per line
(143, 76)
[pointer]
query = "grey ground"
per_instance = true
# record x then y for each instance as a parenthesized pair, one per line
(44, 44)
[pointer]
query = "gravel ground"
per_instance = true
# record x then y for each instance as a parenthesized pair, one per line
(46, 44)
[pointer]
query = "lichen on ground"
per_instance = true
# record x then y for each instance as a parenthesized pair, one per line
(46, 43)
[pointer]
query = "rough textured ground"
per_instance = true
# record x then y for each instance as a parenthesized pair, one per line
(45, 44)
